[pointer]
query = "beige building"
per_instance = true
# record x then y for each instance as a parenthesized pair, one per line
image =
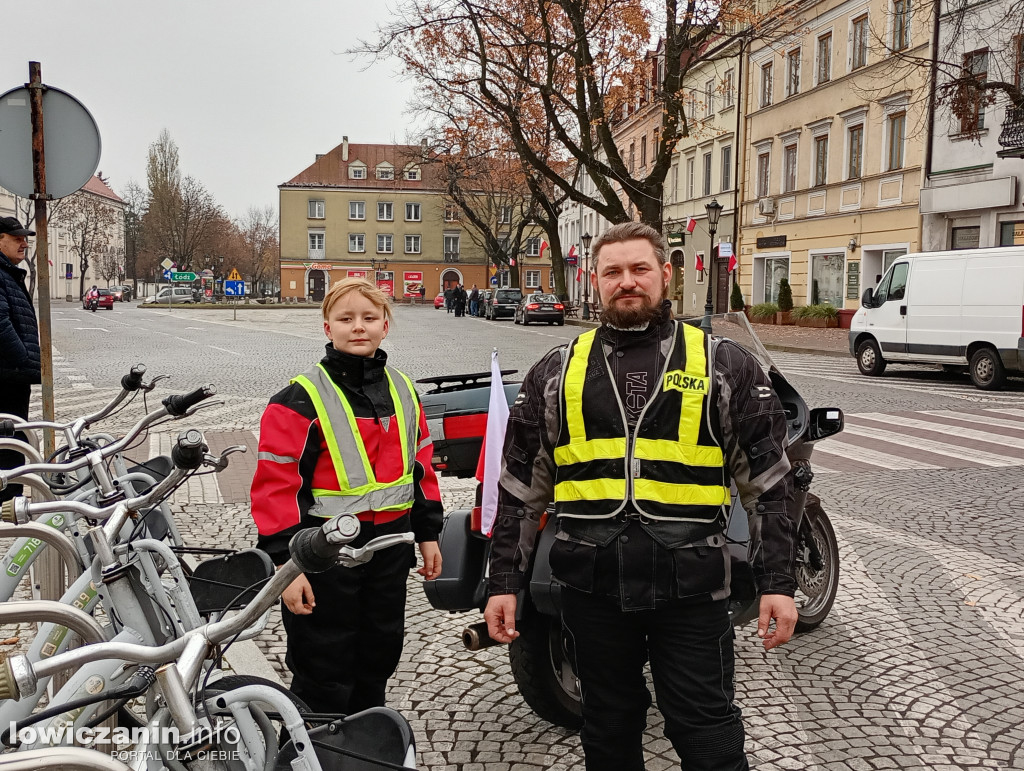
(704, 169)
(835, 139)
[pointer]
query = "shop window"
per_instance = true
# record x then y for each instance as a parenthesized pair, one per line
(775, 269)
(827, 279)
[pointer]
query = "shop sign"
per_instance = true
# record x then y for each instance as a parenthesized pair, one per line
(320, 266)
(771, 242)
(676, 239)
(853, 281)
(412, 280)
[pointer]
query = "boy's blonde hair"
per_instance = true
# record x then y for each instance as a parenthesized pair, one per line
(364, 287)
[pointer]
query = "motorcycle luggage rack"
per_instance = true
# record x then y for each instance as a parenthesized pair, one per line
(441, 383)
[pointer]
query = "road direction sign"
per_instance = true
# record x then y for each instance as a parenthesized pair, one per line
(167, 263)
(186, 275)
(235, 275)
(167, 274)
(234, 288)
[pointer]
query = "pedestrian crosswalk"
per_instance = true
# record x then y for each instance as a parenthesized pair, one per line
(924, 379)
(926, 439)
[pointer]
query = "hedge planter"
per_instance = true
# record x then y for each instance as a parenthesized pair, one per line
(763, 319)
(784, 318)
(820, 323)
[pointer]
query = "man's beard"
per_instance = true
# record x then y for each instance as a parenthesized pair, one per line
(628, 317)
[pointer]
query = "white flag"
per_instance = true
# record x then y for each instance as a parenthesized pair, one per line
(494, 444)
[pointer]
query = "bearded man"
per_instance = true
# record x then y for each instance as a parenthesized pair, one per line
(636, 430)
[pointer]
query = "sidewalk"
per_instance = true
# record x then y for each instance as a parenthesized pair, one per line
(792, 339)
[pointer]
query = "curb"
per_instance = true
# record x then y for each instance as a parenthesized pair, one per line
(802, 349)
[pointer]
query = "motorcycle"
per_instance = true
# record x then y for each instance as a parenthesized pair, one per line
(456, 410)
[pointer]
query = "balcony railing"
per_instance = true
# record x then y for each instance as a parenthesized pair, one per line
(451, 256)
(1011, 139)
(316, 255)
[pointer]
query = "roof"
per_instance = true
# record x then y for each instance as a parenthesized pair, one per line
(98, 187)
(329, 170)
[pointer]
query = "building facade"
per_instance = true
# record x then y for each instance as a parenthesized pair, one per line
(972, 194)
(835, 145)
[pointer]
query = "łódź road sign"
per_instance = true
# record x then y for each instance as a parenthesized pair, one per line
(234, 288)
(186, 275)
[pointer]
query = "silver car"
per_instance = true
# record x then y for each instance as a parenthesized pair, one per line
(171, 295)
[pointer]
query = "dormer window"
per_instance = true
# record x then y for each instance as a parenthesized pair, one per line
(357, 170)
(412, 173)
(385, 171)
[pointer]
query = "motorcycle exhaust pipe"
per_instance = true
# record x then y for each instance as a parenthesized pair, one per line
(475, 637)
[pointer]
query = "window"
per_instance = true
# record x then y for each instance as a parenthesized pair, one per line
(1018, 61)
(820, 161)
(316, 244)
(1011, 233)
(709, 98)
(855, 158)
(859, 55)
(384, 243)
(972, 94)
(533, 279)
(385, 211)
(356, 242)
(793, 72)
(451, 212)
(412, 173)
(412, 244)
(707, 174)
(728, 97)
(701, 273)
(412, 212)
(763, 166)
(897, 129)
(357, 171)
(690, 174)
(726, 169)
(775, 269)
(900, 24)
(643, 152)
(823, 68)
(385, 171)
(766, 84)
(357, 210)
(894, 285)
(533, 246)
(789, 168)
(451, 248)
(966, 237)
(889, 256)
(505, 215)
(827, 279)
(632, 156)
(316, 210)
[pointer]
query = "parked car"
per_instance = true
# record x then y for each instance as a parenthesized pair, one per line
(540, 307)
(503, 303)
(121, 293)
(104, 299)
(959, 309)
(171, 294)
(439, 301)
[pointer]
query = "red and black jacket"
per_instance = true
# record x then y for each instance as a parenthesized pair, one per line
(294, 459)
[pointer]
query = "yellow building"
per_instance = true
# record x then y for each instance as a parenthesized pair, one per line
(373, 210)
(835, 139)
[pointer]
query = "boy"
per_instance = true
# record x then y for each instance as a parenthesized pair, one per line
(349, 435)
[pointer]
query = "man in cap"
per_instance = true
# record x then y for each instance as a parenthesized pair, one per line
(20, 364)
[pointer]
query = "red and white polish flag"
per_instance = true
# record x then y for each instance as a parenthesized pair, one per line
(488, 469)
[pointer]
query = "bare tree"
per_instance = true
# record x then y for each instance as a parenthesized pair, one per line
(135, 204)
(110, 263)
(259, 244)
(89, 221)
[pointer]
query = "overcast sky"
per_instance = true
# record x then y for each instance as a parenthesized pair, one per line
(250, 90)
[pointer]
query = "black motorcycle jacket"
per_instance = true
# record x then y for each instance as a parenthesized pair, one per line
(640, 561)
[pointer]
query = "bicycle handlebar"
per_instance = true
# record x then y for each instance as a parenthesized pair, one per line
(178, 404)
(133, 380)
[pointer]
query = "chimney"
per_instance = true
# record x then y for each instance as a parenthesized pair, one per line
(344, 148)
(423, 148)
(319, 156)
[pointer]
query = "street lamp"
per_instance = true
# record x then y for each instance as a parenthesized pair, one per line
(714, 210)
(586, 239)
(376, 265)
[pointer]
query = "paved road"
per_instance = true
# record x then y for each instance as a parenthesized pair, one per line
(918, 664)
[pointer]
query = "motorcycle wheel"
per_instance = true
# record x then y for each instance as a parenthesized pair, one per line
(543, 673)
(816, 589)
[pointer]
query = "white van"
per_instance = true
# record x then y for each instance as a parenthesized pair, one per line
(962, 309)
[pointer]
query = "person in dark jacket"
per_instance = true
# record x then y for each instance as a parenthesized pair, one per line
(460, 300)
(642, 557)
(20, 364)
(348, 436)
(449, 298)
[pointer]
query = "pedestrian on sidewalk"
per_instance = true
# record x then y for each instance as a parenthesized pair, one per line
(20, 362)
(460, 300)
(474, 301)
(449, 299)
(642, 556)
(352, 413)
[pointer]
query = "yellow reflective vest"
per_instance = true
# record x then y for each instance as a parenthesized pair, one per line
(358, 488)
(671, 468)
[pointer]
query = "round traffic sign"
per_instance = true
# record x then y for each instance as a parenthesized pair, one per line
(72, 143)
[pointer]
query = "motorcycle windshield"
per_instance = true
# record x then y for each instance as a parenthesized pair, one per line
(737, 328)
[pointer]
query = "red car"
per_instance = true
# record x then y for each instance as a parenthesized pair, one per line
(439, 301)
(104, 299)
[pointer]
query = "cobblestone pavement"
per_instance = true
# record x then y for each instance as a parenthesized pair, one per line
(917, 666)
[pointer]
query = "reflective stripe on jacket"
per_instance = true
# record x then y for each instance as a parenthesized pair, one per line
(358, 489)
(672, 467)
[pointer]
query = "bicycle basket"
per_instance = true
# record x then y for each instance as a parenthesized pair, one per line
(229, 582)
(359, 742)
